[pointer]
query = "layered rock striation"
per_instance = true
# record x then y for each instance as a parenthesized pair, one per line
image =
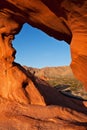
(24, 97)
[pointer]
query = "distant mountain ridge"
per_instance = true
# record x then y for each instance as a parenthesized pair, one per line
(51, 72)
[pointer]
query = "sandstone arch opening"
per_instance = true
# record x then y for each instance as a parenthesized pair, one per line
(37, 49)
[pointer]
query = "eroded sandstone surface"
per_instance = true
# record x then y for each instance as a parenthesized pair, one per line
(27, 102)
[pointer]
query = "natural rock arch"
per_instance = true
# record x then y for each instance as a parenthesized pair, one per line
(67, 21)
(64, 20)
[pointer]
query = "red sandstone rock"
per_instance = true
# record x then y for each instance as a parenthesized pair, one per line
(15, 83)
(64, 20)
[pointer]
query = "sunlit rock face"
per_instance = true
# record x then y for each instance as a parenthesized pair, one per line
(15, 83)
(24, 97)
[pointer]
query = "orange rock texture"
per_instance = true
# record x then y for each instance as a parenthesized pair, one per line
(26, 102)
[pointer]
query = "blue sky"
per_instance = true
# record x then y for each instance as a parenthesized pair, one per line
(37, 49)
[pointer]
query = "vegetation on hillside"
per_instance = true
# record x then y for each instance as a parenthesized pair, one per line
(69, 85)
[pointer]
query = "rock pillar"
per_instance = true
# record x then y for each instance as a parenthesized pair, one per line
(15, 83)
(79, 57)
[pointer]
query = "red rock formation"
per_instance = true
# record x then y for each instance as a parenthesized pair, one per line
(15, 84)
(64, 20)
(77, 19)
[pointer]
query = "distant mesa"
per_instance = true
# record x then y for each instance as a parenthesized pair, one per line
(26, 100)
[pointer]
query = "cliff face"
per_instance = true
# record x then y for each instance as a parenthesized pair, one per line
(63, 20)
